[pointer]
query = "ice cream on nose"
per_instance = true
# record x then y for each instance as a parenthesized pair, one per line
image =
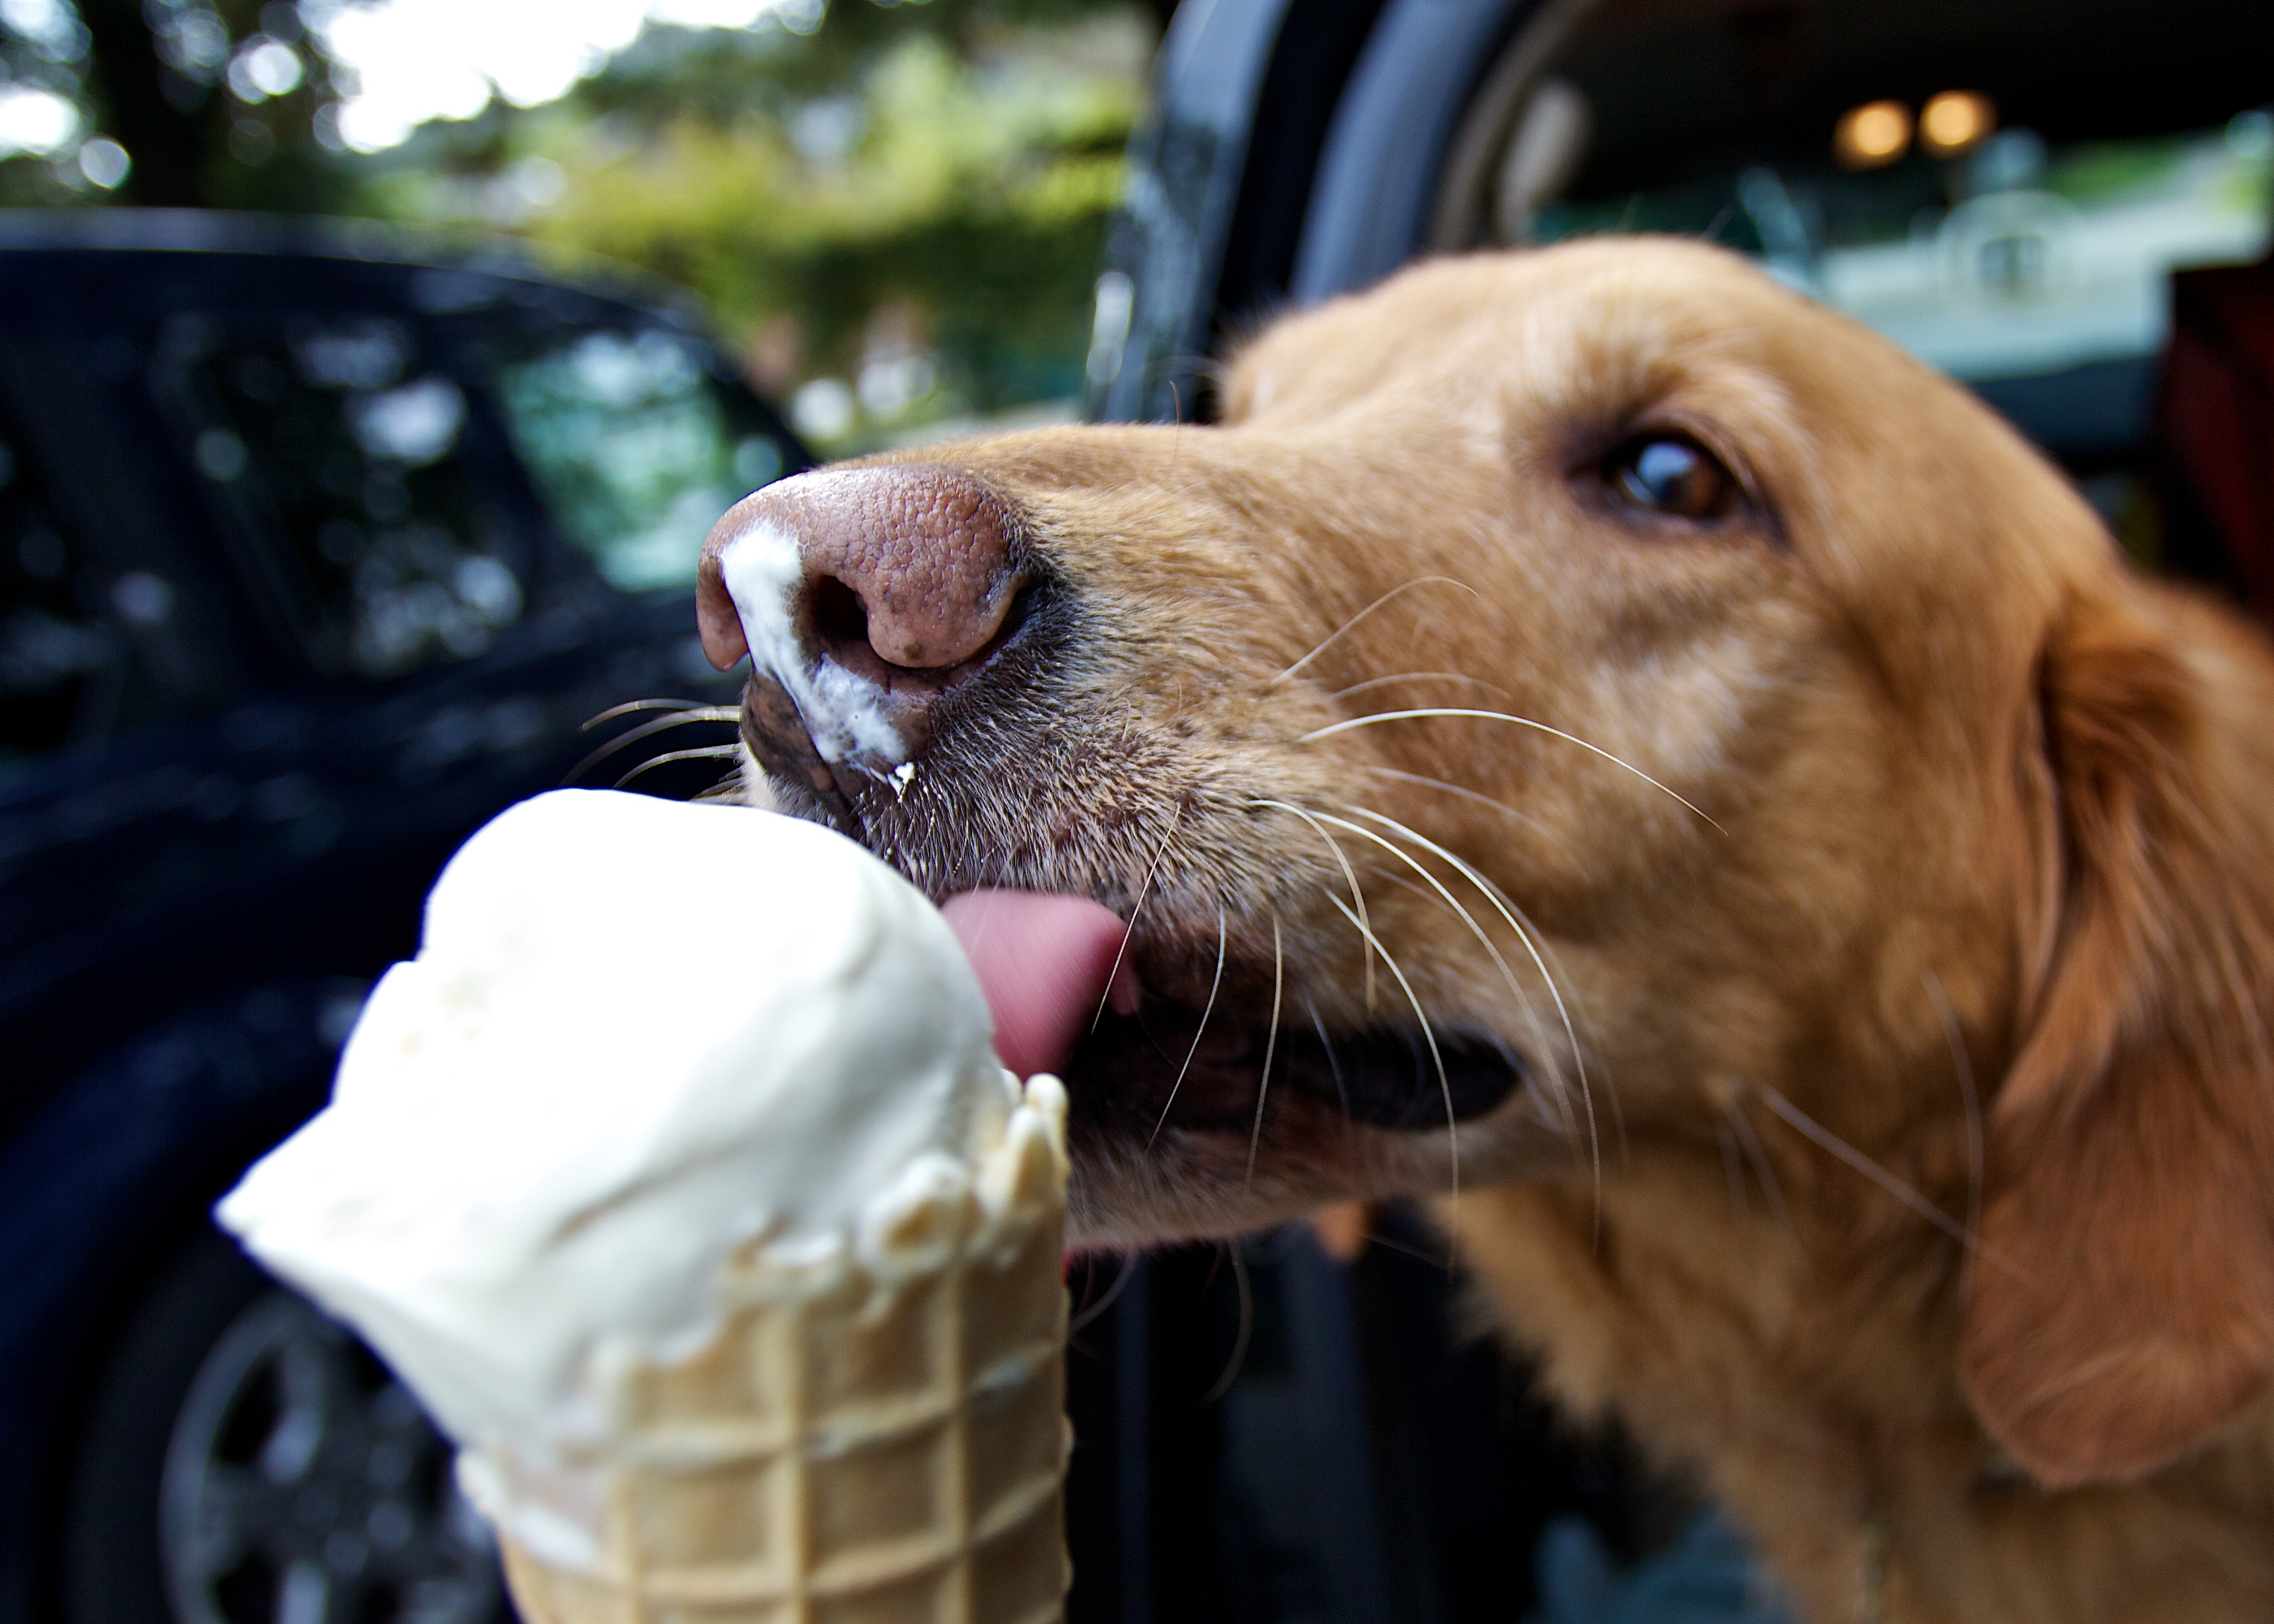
(671, 1089)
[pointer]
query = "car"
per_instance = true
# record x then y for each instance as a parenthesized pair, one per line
(320, 544)
(2036, 196)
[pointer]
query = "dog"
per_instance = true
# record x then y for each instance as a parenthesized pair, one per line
(1598, 740)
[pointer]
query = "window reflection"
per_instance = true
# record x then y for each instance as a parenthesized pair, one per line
(634, 450)
(344, 448)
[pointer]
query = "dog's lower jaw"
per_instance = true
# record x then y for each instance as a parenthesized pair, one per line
(1742, 1378)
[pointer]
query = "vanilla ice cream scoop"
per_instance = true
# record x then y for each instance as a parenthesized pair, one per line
(637, 1035)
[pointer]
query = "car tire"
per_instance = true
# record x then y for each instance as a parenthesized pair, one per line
(243, 1457)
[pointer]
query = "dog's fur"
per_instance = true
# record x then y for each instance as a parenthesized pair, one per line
(1919, 1193)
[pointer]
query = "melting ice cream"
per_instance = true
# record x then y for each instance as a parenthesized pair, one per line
(637, 1034)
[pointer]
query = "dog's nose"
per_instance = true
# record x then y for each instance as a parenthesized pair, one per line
(880, 571)
(864, 596)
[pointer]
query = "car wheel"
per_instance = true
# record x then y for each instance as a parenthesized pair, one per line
(245, 1458)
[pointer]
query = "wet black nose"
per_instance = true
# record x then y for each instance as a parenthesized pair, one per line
(863, 597)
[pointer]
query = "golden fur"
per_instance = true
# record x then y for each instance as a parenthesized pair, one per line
(1953, 916)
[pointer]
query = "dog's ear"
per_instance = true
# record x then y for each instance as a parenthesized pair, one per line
(2121, 1305)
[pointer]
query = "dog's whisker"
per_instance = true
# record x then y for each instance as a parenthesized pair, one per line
(1757, 1154)
(1199, 1032)
(1332, 728)
(688, 709)
(1232, 1366)
(1509, 916)
(1428, 1036)
(1358, 896)
(1462, 791)
(1483, 940)
(1817, 1134)
(1551, 969)
(748, 784)
(1090, 1312)
(1965, 1066)
(1135, 911)
(1731, 1172)
(646, 730)
(708, 751)
(1418, 676)
(1270, 1046)
(1446, 897)
(1333, 1065)
(1331, 637)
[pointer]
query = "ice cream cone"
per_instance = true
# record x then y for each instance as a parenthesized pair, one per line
(874, 1435)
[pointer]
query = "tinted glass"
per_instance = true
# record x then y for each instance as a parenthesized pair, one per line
(61, 663)
(635, 447)
(338, 447)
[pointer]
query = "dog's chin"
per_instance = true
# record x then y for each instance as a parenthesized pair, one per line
(1129, 1190)
(1127, 1195)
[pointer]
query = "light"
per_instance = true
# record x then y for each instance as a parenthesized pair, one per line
(105, 163)
(34, 121)
(1956, 121)
(265, 68)
(824, 409)
(1876, 134)
(403, 62)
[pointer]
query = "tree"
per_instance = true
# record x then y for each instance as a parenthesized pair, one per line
(217, 104)
(232, 103)
(901, 200)
(931, 223)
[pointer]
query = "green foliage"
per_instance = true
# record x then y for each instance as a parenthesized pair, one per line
(919, 184)
(968, 199)
(175, 82)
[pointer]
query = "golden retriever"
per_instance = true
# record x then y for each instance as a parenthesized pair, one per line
(1597, 740)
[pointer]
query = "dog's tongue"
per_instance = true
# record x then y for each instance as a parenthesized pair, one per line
(1044, 963)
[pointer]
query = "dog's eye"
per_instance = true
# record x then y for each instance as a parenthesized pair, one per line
(1663, 474)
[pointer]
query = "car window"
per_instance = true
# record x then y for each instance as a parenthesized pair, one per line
(60, 654)
(635, 447)
(337, 447)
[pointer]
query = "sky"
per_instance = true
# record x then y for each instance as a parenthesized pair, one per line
(414, 60)
(409, 61)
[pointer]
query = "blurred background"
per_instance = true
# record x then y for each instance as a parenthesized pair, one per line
(892, 213)
(370, 373)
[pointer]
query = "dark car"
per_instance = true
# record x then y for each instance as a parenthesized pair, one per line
(2034, 195)
(316, 550)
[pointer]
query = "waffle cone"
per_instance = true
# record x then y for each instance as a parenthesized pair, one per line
(876, 1436)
